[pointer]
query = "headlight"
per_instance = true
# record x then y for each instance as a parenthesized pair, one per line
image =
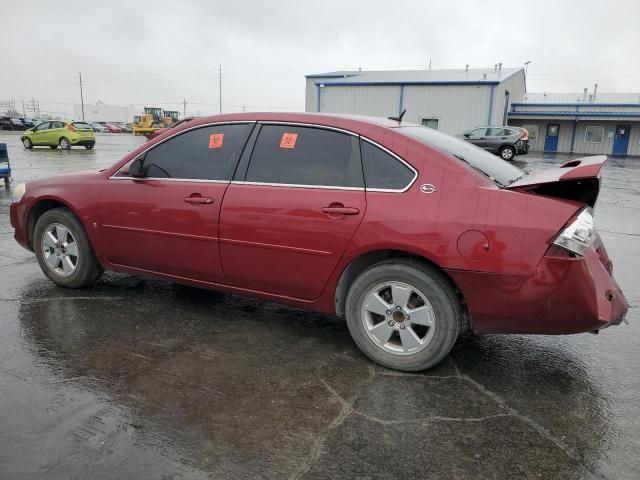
(19, 192)
(578, 236)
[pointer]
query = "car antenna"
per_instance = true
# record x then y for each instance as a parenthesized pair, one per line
(399, 117)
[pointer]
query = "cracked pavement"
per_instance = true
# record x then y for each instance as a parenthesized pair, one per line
(145, 379)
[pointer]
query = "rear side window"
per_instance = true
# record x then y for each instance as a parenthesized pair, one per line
(292, 155)
(383, 171)
(208, 153)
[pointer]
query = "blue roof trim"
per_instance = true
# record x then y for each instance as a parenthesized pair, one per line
(399, 83)
(585, 104)
(574, 114)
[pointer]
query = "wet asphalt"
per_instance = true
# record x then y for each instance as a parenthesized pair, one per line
(145, 379)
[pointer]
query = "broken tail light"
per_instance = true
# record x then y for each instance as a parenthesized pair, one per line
(579, 234)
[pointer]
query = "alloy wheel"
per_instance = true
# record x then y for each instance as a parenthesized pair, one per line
(60, 250)
(398, 318)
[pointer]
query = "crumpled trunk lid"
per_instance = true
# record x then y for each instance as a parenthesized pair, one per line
(577, 180)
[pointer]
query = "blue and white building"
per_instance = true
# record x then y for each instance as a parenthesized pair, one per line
(604, 123)
(456, 100)
(452, 101)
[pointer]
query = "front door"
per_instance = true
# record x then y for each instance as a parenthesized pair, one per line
(167, 222)
(286, 222)
(551, 139)
(40, 133)
(621, 140)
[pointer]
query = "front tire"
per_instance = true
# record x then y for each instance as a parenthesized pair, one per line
(63, 250)
(89, 146)
(65, 144)
(507, 153)
(403, 314)
(27, 143)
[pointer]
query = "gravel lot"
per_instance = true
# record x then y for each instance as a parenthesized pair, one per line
(145, 379)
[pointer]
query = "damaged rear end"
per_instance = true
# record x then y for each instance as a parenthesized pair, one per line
(586, 296)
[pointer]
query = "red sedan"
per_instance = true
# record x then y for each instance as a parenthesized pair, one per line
(113, 128)
(410, 234)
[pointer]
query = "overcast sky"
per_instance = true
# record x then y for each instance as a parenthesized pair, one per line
(161, 52)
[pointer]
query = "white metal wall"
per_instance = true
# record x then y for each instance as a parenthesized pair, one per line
(104, 113)
(457, 107)
(377, 101)
(515, 85)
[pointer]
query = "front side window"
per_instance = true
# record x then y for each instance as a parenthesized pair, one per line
(207, 153)
(293, 155)
(383, 171)
(594, 135)
(42, 126)
(476, 133)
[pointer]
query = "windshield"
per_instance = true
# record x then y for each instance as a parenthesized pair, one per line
(500, 171)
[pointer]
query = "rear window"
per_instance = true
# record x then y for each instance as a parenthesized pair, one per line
(501, 172)
(81, 125)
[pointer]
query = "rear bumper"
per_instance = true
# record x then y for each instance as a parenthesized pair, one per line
(563, 296)
(83, 141)
(522, 146)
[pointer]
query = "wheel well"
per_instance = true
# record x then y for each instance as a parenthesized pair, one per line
(507, 145)
(37, 211)
(360, 264)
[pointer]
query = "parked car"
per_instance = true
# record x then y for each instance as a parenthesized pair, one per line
(507, 142)
(16, 124)
(58, 133)
(160, 131)
(111, 128)
(97, 127)
(29, 122)
(404, 230)
(126, 128)
(5, 123)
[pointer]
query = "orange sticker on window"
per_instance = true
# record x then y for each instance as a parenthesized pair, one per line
(288, 140)
(215, 140)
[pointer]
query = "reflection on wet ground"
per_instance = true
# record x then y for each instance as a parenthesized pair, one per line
(144, 379)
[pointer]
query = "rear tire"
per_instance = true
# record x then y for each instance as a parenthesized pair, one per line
(63, 250)
(27, 143)
(385, 330)
(507, 153)
(64, 143)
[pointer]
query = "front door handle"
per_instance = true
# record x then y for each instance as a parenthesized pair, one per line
(340, 210)
(199, 200)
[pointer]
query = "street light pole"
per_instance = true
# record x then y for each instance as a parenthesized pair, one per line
(81, 95)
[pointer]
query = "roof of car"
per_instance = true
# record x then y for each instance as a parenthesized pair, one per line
(301, 117)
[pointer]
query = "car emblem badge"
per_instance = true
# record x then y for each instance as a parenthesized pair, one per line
(428, 188)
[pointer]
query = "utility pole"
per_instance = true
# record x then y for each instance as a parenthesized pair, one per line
(220, 89)
(184, 108)
(23, 112)
(81, 95)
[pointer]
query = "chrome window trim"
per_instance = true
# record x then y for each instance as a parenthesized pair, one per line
(194, 127)
(193, 180)
(407, 164)
(268, 184)
(295, 185)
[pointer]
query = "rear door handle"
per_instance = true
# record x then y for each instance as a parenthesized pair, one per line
(335, 210)
(199, 200)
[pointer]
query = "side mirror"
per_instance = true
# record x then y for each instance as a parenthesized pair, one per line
(466, 135)
(136, 168)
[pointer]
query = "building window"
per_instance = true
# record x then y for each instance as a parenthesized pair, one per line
(533, 131)
(594, 135)
(431, 123)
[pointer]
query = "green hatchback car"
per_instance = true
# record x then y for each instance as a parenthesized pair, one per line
(56, 134)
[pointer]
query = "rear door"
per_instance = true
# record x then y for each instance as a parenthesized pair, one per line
(167, 222)
(292, 210)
